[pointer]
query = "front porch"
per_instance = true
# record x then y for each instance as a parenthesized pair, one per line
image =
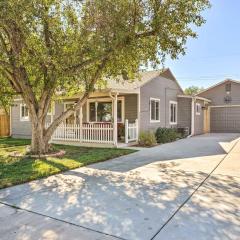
(107, 119)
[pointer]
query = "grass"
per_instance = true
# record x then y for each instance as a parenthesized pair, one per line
(16, 170)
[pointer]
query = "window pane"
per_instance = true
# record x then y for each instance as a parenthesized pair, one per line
(174, 112)
(92, 112)
(157, 111)
(119, 111)
(24, 111)
(171, 112)
(152, 110)
(104, 111)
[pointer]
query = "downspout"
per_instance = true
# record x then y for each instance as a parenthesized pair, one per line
(192, 118)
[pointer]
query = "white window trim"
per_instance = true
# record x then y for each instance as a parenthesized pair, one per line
(75, 113)
(23, 119)
(156, 100)
(198, 106)
(173, 102)
(105, 100)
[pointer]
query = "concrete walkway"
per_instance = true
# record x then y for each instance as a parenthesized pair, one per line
(159, 193)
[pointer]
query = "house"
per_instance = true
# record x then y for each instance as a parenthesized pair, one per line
(120, 111)
(224, 111)
(4, 123)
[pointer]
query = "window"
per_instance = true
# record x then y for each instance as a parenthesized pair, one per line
(24, 113)
(173, 112)
(198, 108)
(102, 111)
(154, 110)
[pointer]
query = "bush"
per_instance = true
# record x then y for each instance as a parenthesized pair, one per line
(165, 135)
(147, 139)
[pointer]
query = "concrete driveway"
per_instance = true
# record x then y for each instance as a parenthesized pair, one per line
(182, 190)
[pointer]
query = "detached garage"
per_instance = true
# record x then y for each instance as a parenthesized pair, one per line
(224, 107)
(225, 119)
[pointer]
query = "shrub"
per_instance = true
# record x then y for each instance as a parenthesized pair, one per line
(165, 135)
(147, 139)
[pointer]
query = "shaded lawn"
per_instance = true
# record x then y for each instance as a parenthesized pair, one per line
(16, 170)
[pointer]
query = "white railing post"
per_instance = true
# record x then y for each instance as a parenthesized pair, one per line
(126, 131)
(136, 123)
(81, 124)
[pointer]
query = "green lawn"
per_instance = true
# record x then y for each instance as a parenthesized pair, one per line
(16, 170)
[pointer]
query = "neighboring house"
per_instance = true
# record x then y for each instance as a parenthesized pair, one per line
(122, 109)
(4, 123)
(224, 111)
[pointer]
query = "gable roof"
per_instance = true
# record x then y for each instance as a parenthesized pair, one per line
(218, 84)
(145, 77)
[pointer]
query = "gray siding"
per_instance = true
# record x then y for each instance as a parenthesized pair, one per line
(199, 119)
(164, 89)
(20, 129)
(184, 112)
(225, 119)
(218, 93)
(59, 108)
(131, 107)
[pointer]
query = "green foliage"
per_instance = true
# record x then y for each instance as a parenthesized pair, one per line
(61, 43)
(52, 47)
(193, 90)
(6, 95)
(165, 135)
(147, 139)
(16, 170)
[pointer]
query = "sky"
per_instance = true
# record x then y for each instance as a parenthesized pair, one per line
(215, 54)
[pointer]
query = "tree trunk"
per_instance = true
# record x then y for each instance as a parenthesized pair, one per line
(39, 144)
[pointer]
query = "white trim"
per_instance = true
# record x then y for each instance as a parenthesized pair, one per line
(23, 119)
(198, 107)
(106, 99)
(156, 100)
(175, 103)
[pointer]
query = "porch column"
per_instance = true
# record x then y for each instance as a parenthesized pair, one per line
(80, 123)
(115, 135)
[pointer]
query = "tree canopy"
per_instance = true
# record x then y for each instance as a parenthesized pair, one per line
(59, 46)
(193, 90)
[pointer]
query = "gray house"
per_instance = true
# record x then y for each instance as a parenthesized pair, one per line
(224, 111)
(120, 111)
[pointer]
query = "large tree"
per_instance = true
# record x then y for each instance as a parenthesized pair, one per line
(53, 46)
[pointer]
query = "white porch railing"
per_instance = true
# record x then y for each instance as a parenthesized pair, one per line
(90, 133)
(131, 131)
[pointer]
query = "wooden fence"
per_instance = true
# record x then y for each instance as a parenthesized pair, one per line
(4, 125)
